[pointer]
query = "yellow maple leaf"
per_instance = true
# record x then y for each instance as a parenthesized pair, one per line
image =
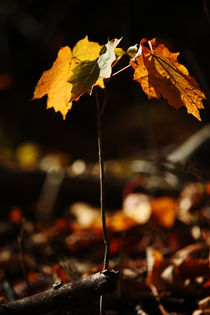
(54, 83)
(84, 66)
(76, 72)
(86, 50)
(100, 83)
(159, 73)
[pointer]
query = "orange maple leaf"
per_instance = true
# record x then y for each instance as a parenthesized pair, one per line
(54, 83)
(159, 73)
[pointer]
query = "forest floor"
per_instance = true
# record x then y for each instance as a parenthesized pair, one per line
(159, 240)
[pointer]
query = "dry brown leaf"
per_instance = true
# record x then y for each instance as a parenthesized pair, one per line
(159, 73)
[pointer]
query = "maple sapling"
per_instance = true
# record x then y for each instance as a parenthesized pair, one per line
(77, 71)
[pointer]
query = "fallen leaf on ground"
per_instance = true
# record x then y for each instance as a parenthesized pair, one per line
(194, 268)
(155, 265)
(60, 273)
(137, 207)
(164, 210)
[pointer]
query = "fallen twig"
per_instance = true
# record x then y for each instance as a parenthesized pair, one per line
(157, 298)
(67, 297)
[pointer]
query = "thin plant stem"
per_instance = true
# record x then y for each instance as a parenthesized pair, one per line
(102, 187)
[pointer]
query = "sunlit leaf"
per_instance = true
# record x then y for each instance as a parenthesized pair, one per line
(85, 69)
(107, 58)
(54, 83)
(159, 73)
(92, 63)
(76, 72)
(84, 76)
(86, 50)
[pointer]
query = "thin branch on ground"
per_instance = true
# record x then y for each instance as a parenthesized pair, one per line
(68, 297)
(157, 298)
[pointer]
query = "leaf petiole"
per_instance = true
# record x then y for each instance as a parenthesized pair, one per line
(114, 74)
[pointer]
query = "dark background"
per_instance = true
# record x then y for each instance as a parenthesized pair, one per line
(31, 32)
